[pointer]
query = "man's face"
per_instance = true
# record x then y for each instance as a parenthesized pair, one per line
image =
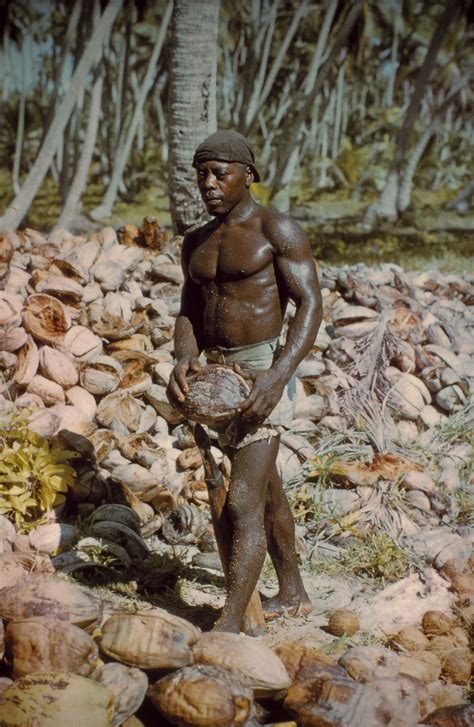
(223, 185)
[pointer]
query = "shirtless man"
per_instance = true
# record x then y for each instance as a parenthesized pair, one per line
(240, 271)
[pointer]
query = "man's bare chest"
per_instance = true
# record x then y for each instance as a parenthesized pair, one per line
(220, 258)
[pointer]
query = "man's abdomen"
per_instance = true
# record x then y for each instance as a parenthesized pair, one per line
(238, 320)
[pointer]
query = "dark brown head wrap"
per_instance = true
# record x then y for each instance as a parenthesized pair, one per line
(226, 146)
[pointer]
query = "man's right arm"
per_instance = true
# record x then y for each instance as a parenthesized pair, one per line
(187, 330)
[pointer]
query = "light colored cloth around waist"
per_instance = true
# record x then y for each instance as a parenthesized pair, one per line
(254, 356)
(259, 356)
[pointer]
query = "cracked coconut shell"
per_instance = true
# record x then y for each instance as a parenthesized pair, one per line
(46, 318)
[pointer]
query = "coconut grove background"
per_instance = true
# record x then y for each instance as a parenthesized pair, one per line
(360, 113)
(110, 580)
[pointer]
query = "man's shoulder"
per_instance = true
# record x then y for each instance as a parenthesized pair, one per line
(196, 236)
(281, 229)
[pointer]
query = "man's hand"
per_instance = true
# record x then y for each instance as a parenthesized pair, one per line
(267, 389)
(178, 386)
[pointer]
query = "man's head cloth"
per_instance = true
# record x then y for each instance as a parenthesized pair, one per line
(226, 146)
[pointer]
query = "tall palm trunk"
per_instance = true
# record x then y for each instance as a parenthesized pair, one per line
(125, 147)
(192, 102)
(79, 181)
(18, 208)
(388, 204)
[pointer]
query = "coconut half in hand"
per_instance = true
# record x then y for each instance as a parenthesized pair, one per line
(214, 395)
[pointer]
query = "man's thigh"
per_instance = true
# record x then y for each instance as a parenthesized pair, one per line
(251, 468)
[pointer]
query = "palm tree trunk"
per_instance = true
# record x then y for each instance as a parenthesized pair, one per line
(192, 103)
(79, 181)
(123, 151)
(312, 85)
(19, 206)
(20, 130)
(387, 204)
(404, 193)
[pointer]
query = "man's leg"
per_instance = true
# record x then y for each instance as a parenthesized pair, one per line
(246, 505)
(280, 534)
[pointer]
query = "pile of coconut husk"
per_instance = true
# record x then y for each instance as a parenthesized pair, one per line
(377, 441)
(65, 651)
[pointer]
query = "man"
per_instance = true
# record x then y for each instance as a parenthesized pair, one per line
(240, 270)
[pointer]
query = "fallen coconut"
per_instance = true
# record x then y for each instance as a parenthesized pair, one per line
(152, 639)
(203, 696)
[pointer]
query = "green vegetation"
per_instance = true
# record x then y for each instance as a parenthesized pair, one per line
(34, 476)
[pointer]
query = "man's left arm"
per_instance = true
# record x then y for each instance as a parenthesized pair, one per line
(297, 273)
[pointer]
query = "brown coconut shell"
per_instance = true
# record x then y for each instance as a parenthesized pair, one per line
(454, 566)
(214, 395)
(46, 644)
(459, 716)
(41, 596)
(442, 645)
(462, 583)
(436, 623)
(343, 622)
(446, 695)
(457, 666)
(304, 662)
(421, 669)
(460, 635)
(309, 701)
(252, 661)
(410, 639)
(203, 696)
(152, 639)
(46, 318)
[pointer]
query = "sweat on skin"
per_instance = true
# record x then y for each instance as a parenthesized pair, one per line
(240, 270)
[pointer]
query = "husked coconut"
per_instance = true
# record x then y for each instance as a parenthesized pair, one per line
(457, 666)
(46, 318)
(214, 395)
(101, 375)
(83, 400)
(58, 698)
(436, 622)
(42, 644)
(152, 639)
(57, 366)
(129, 686)
(43, 596)
(251, 660)
(12, 338)
(421, 668)
(50, 392)
(410, 639)
(304, 662)
(27, 363)
(51, 537)
(343, 622)
(82, 343)
(203, 696)
(365, 663)
(43, 421)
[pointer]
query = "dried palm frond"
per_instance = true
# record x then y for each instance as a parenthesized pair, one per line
(363, 401)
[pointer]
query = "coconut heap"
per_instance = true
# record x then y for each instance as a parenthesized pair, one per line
(86, 350)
